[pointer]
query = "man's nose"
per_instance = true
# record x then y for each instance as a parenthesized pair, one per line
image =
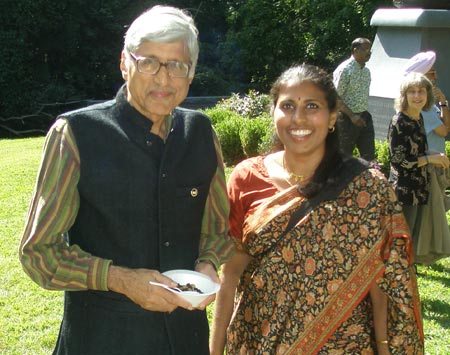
(162, 76)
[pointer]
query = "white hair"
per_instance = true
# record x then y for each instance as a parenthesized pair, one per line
(164, 24)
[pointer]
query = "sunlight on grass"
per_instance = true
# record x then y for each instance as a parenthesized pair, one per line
(434, 287)
(30, 316)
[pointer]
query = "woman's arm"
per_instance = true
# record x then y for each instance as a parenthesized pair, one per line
(379, 309)
(223, 310)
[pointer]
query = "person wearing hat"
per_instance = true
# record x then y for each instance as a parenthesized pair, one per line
(437, 119)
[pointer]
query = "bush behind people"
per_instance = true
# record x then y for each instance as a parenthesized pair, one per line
(245, 129)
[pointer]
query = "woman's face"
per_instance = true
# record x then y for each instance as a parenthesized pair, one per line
(302, 119)
(416, 97)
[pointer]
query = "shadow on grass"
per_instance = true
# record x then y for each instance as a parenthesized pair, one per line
(434, 278)
(438, 311)
(440, 268)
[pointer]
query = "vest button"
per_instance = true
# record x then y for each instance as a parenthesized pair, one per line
(166, 244)
(149, 143)
(194, 192)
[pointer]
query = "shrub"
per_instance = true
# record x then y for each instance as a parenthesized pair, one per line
(447, 148)
(243, 125)
(382, 156)
(250, 105)
(253, 132)
(218, 114)
(228, 132)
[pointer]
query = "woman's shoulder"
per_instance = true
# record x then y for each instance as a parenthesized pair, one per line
(398, 116)
(374, 180)
(249, 163)
(249, 167)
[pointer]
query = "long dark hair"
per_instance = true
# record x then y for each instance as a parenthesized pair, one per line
(332, 159)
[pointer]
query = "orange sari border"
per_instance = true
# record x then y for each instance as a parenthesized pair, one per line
(341, 305)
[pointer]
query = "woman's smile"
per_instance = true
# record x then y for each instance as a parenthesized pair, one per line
(300, 133)
(302, 119)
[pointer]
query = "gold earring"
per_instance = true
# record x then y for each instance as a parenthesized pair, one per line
(331, 129)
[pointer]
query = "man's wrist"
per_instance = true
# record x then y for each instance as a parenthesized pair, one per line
(116, 277)
(443, 103)
(198, 261)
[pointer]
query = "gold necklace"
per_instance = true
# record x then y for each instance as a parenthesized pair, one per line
(292, 176)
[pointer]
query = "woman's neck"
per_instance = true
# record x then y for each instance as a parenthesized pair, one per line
(413, 114)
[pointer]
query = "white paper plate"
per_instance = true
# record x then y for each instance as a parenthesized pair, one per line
(201, 281)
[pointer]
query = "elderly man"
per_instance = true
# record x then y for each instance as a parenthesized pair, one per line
(128, 189)
(352, 80)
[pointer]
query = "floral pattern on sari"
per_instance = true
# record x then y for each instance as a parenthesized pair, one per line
(306, 292)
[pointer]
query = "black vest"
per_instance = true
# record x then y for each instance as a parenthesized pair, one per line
(141, 205)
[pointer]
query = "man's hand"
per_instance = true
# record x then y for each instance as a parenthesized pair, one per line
(208, 269)
(438, 94)
(134, 283)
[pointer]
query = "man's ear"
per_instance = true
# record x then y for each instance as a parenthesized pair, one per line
(123, 66)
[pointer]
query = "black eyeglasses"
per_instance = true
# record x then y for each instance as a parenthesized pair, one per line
(151, 66)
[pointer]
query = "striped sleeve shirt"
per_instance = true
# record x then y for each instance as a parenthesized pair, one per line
(44, 251)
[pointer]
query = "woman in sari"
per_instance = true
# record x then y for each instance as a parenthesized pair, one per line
(323, 261)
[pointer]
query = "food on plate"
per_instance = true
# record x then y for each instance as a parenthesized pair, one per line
(189, 287)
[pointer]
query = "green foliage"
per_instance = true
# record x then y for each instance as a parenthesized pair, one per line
(218, 114)
(228, 132)
(253, 134)
(210, 81)
(447, 148)
(382, 156)
(269, 142)
(58, 51)
(272, 35)
(69, 50)
(253, 104)
(243, 125)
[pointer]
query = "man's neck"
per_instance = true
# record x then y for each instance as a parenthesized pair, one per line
(361, 64)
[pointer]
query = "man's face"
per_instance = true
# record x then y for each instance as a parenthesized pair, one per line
(362, 54)
(431, 75)
(155, 96)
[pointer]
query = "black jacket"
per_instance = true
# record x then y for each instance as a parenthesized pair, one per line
(141, 205)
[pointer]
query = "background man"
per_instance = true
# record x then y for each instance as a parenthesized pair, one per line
(352, 81)
(128, 189)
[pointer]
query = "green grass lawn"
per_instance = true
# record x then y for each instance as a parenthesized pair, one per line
(30, 316)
